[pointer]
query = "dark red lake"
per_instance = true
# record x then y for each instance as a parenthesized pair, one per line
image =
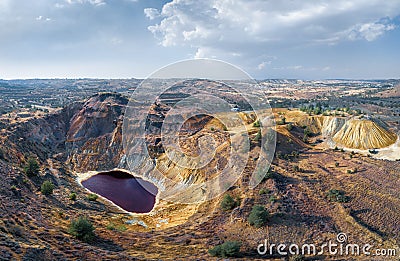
(130, 193)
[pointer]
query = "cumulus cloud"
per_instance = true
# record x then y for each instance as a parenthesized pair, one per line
(215, 27)
(151, 13)
(370, 31)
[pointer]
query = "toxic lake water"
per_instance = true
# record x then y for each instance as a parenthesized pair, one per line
(128, 192)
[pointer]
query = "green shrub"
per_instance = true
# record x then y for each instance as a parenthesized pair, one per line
(72, 196)
(269, 175)
(92, 197)
(32, 167)
(82, 229)
(272, 199)
(47, 188)
(335, 195)
(258, 216)
(257, 124)
(227, 249)
(258, 136)
(282, 121)
(289, 127)
(111, 226)
(263, 191)
(307, 132)
(336, 164)
(228, 203)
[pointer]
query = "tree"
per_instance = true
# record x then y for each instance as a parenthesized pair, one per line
(82, 229)
(47, 188)
(228, 203)
(92, 197)
(32, 167)
(72, 196)
(227, 249)
(258, 216)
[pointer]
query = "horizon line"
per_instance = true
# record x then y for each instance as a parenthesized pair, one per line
(257, 79)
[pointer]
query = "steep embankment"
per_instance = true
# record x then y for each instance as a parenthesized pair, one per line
(94, 139)
(364, 134)
(353, 133)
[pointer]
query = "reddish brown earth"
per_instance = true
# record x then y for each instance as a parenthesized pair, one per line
(87, 136)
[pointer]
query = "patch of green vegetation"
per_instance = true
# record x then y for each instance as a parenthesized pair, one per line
(289, 127)
(122, 228)
(263, 191)
(258, 216)
(258, 136)
(272, 199)
(113, 227)
(307, 132)
(32, 167)
(72, 196)
(227, 249)
(92, 197)
(82, 229)
(282, 121)
(228, 203)
(335, 195)
(257, 124)
(47, 188)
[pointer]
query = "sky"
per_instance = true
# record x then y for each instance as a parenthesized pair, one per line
(303, 39)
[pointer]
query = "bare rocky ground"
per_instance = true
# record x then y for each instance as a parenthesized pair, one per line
(35, 227)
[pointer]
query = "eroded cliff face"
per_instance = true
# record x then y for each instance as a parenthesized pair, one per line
(85, 135)
(94, 139)
(364, 134)
(352, 133)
